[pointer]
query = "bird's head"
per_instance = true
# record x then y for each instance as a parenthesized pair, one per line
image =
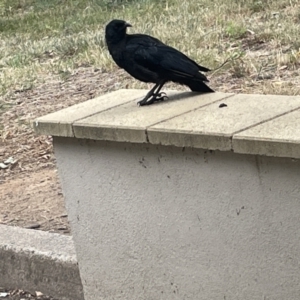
(115, 31)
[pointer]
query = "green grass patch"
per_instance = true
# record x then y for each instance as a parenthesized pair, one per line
(235, 31)
(41, 38)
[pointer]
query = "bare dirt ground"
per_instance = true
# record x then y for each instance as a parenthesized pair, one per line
(34, 200)
(30, 192)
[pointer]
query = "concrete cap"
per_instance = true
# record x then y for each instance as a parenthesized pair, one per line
(211, 127)
(60, 123)
(187, 119)
(277, 137)
(128, 122)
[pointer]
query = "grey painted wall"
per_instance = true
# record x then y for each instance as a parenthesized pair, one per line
(154, 222)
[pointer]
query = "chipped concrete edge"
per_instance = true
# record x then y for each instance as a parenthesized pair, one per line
(39, 261)
(42, 127)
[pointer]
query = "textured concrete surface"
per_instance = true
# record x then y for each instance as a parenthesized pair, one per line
(278, 137)
(211, 127)
(157, 222)
(60, 123)
(129, 122)
(39, 261)
(186, 120)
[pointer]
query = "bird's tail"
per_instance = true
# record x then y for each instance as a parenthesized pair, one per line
(199, 86)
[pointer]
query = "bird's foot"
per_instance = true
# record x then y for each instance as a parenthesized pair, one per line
(154, 98)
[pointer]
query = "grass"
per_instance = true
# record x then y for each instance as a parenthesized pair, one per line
(41, 39)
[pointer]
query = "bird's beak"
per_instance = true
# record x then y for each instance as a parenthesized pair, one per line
(128, 25)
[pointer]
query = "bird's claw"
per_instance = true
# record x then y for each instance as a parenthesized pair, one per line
(155, 98)
(141, 103)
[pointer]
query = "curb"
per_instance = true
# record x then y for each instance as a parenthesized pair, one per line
(39, 261)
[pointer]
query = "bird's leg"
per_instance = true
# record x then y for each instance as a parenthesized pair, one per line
(157, 96)
(149, 94)
(154, 96)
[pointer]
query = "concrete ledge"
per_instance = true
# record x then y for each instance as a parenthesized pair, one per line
(39, 261)
(187, 119)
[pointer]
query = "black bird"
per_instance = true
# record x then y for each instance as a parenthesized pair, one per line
(148, 59)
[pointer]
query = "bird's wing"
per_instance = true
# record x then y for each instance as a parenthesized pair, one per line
(158, 57)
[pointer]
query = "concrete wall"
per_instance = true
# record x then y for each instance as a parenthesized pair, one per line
(154, 222)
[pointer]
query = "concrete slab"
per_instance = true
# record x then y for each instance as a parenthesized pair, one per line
(128, 122)
(278, 137)
(211, 127)
(39, 261)
(60, 123)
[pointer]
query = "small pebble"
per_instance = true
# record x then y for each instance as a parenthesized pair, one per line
(39, 294)
(3, 295)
